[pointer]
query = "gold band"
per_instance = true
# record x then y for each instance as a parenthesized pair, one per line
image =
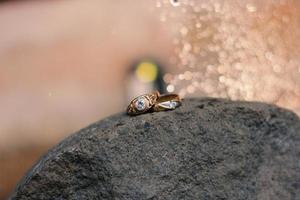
(142, 103)
(167, 102)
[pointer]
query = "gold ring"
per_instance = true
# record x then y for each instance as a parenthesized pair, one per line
(142, 103)
(167, 102)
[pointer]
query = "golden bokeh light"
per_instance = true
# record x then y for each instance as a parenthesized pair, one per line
(242, 50)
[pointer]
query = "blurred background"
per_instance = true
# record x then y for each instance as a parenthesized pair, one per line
(67, 63)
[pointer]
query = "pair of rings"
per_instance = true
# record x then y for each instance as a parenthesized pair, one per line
(153, 102)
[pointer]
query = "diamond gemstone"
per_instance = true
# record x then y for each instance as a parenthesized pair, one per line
(168, 104)
(140, 104)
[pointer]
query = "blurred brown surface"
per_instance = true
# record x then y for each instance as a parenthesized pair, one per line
(15, 164)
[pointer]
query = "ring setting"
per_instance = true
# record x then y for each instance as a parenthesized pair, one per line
(153, 102)
(142, 103)
(167, 102)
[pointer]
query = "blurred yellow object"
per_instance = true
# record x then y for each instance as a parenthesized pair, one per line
(146, 71)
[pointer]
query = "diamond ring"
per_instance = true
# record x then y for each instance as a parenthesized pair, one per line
(142, 103)
(167, 102)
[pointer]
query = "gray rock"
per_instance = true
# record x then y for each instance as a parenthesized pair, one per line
(206, 149)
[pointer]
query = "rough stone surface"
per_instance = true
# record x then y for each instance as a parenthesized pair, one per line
(206, 149)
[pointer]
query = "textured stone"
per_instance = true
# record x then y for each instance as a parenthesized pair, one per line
(206, 149)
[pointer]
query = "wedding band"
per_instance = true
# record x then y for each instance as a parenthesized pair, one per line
(142, 103)
(167, 102)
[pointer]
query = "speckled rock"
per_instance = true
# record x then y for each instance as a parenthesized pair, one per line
(206, 149)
